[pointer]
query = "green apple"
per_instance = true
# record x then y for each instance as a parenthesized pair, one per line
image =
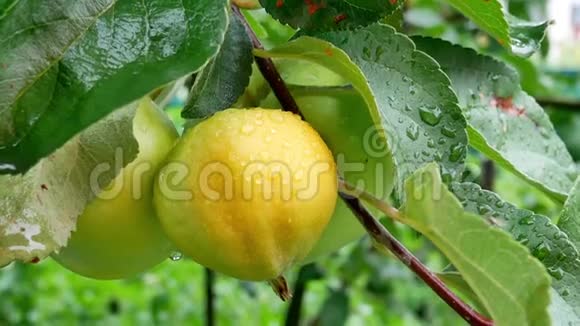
(118, 235)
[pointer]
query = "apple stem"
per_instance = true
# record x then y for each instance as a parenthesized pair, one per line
(280, 287)
(376, 230)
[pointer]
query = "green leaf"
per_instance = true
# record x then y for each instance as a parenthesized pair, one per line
(569, 221)
(505, 123)
(512, 285)
(316, 15)
(270, 31)
(225, 77)
(521, 37)
(560, 311)
(83, 59)
(543, 239)
(38, 210)
(409, 98)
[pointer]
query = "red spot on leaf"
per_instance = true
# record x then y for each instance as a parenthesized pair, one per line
(507, 105)
(339, 18)
(35, 260)
(393, 2)
(43, 187)
(328, 52)
(4, 66)
(279, 3)
(313, 7)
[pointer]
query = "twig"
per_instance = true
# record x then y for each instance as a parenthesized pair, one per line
(268, 69)
(382, 236)
(295, 308)
(209, 297)
(487, 175)
(384, 207)
(377, 231)
(559, 104)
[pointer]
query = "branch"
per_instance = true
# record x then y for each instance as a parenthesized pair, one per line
(209, 297)
(559, 104)
(487, 175)
(382, 236)
(376, 230)
(269, 71)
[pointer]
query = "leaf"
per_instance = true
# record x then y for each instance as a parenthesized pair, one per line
(521, 37)
(505, 123)
(316, 15)
(560, 311)
(543, 239)
(270, 31)
(225, 77)
(38, 210)
(409, 98)
(83, 59)
(569, 221)
(512, 285)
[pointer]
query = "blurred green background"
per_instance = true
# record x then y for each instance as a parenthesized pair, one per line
(355, 286)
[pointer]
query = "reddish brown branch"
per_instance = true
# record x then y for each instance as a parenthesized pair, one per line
(377, 231)
(269, 71)
(382, 236)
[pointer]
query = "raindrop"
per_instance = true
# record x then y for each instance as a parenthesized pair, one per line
(449, 132)
(413, 131)
(175, 256)
(457, 152)
(542, 251)
(247, 129)
(527, 220)
(472, 94)
(556, 272)
(565, 293)
(545, 133)
(277, 116)
(430, 116)
(378, 52)
(366, 53)
(484, 209)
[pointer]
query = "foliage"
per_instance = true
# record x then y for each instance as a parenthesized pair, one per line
(419, 94)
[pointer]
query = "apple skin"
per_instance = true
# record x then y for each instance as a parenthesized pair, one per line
(120, 237)
(247, 215)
